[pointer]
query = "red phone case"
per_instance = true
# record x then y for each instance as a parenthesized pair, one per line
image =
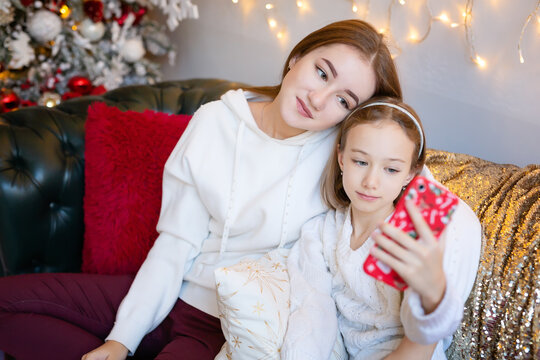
(436, 204)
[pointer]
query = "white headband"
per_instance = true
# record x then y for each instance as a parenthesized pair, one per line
(415, 121)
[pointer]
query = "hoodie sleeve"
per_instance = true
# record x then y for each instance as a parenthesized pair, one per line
(313, 313)
(461, 259)
(182, 227)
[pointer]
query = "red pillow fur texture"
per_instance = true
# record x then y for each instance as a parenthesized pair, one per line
(124, 158)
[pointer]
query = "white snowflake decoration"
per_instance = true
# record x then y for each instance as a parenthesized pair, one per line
(22, 53)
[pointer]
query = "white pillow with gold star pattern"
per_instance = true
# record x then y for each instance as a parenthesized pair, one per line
(253, 303)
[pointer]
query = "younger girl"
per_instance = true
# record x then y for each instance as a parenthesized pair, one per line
(379, 149)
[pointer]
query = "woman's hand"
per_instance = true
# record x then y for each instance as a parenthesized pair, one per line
(111, 350)
(418, 262)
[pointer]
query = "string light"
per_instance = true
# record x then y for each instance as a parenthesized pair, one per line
(479, 61)
(413, 34)
(355, 8)
(272, 23)
(444, 18)
(534, 13)
(473, 55)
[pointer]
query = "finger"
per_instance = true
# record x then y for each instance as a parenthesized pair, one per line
(402, 238)
(386, 258)
(421, 226)
(442, 239)
(392, 247)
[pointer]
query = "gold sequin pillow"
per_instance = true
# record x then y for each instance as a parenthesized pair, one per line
(253, 303)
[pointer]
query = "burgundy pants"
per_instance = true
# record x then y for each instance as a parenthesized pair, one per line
(63, 316)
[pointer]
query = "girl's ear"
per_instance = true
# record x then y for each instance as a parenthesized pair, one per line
(409, 178)
(340, 157)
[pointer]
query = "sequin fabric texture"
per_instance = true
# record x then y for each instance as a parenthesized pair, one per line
(501, 318)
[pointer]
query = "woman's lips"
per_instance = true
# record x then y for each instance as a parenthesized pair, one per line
(302, 109)
(367, 197)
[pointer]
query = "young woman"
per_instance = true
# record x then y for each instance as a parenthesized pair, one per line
(241, 181)
(379, 150)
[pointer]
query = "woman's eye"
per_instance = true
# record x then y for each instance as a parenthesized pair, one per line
(360, 162)
(343, 102)
(322, 74)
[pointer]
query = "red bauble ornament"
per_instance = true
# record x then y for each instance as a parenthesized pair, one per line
(80, 85)
(27, 2)
(128, 9)
(9, 101)
(94, 10)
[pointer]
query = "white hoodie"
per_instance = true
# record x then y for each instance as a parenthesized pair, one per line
(229, 192)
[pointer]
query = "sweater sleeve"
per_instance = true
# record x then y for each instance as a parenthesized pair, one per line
(461, 259)
(312, 325)
(182, 227)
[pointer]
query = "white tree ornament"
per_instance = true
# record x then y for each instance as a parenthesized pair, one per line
(91, 30)
(132, 50)
(22, 53)
(44, 25)
(178, 10)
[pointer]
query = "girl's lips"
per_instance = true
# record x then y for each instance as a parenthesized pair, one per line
(366, 197)
(302, 109)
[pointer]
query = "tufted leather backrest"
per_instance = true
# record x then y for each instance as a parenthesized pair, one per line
(42, 171)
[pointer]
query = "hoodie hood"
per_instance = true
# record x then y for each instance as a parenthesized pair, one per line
(237, 102)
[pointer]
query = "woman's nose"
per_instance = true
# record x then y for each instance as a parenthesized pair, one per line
(318, 99)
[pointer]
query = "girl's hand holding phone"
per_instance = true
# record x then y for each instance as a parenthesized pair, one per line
(418, 261)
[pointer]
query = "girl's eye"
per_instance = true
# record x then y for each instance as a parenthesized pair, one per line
(322, 74)
(343, 102)
(392, 171)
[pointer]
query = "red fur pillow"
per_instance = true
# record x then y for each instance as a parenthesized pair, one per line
(124, 158)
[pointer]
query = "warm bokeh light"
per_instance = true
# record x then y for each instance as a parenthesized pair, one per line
(65, 11)
(269, 6)
(480, 62)
(413, 35)
(443, 17)
(272, 23)
(355, 8)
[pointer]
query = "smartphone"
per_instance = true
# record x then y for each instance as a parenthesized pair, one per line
(436, 205)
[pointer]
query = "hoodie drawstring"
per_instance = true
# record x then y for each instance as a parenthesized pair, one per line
(284, 227)
(226, 226)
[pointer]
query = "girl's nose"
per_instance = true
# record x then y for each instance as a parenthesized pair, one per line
(370, 179)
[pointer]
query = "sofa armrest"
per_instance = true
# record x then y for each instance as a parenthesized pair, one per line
(42, 171)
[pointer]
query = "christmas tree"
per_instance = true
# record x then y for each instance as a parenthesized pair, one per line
(56, 50)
